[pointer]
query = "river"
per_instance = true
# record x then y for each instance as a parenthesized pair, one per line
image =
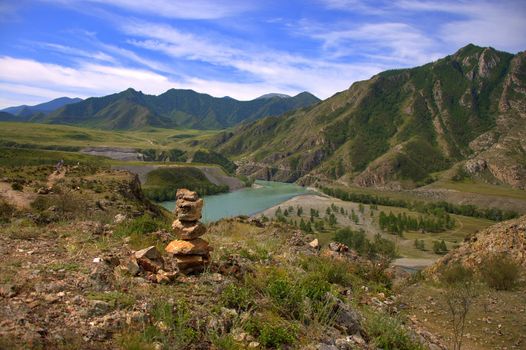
(246, 201)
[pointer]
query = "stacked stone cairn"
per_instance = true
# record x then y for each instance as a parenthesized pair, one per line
(190, 253)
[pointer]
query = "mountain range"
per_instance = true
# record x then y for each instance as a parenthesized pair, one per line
(25, 111)
(131, 109)
(465, 113)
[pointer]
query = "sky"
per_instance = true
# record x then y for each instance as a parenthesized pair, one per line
(242, 49)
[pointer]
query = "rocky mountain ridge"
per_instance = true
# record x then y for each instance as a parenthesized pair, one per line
(131, 109)
(398, 128)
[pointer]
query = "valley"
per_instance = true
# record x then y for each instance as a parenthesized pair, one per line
(347, 223)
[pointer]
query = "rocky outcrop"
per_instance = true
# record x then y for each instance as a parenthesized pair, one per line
(190, 253)
(507, 238)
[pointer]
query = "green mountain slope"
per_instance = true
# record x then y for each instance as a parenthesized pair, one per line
(132, 109)
(400, 126)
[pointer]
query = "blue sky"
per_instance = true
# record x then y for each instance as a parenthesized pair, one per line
(242, 49)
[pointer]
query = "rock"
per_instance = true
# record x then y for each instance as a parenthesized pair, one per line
(135, 318)
(119, 218)
(191, 263)
(43, 190)
(149, 259)
(253, 345)
(338, 247)
(185, 194)
(314, 244)
(474, 166)
(132, 267)
(101, 277)
(326, 347)
(346, 319)
(188, 230)
(256, 222)
(98, 308)
(164, 277)
(150, 253)
(343, 344)
(196, 246)
(188, 210)
(8, 290)
(150, 265)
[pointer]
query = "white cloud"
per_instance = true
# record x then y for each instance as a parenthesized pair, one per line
(183, 9)
(485, 23)
(392, 42)
(261, 65)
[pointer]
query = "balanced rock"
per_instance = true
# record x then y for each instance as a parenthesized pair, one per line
(187, 210)
(188, 230)
(191, 263)
(185, 194)
(196, 246)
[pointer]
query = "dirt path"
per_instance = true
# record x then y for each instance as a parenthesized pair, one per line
(19, 199)
(54, 177)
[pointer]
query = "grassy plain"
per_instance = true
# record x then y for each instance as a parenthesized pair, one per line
(45, 135)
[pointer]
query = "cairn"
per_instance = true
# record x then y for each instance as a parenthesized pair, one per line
(190, 253)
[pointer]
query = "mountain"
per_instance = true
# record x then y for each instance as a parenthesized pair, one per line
(465, 112)
(132, 109)
(46, 107)
(272, 95)
(7, 117)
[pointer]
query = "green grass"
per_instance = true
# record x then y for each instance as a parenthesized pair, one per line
(487, 189)
(46, 135)
(162, 183)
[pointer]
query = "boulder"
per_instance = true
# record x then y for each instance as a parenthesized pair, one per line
(196, 246)
(188, 230)
(314, 244)
(185, 194)
(151, 253)
(188, 210)
(149, 259)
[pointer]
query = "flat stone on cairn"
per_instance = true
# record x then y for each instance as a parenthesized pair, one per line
(190, 253)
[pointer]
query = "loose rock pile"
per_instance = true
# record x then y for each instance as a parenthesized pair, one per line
(190, 253)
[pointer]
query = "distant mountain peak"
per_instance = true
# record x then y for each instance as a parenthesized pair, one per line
(46, 107)
(272, 95)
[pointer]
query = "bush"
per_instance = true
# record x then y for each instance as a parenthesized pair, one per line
(272, 331)
(236, 297)
(141, 225)
(388, 333)
(331, 270)
(16, 186)
(500, 272)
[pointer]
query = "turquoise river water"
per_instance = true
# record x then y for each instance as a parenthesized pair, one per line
(247, 201)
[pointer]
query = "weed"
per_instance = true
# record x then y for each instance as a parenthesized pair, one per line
(500, 272)
(272, 331)
(387, 332)
(236, 297)
(114, 298)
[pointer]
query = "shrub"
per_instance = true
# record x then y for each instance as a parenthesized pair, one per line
(500, 272)
(237, 297)
(6, 211)
(388, 333)
(141, 225)
(272, 331)
(16, 186)
(331, 270)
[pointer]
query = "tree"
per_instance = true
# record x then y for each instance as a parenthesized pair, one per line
(460, 291)
(299, 211)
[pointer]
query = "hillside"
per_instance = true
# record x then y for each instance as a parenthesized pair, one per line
(400, 127)
(25, 112)
(132, 109)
